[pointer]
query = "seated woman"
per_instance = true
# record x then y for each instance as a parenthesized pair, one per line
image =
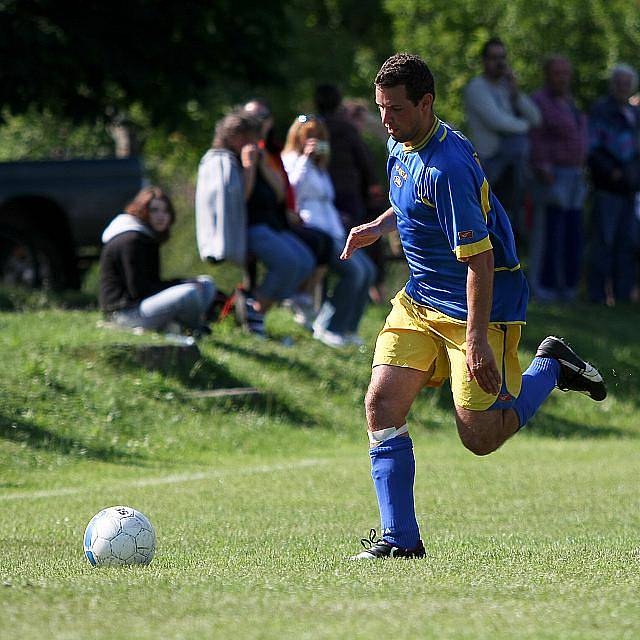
(131, 291)
(306, 156)
(235, 162)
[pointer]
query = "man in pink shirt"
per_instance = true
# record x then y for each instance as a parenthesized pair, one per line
(558, 155)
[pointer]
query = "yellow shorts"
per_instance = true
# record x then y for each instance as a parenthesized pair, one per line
(416, 336)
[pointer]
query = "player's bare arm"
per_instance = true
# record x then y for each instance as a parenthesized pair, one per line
(366, 234)
(481, 363)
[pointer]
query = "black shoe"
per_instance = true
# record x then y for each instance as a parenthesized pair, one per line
(575, 373)
(383, 549)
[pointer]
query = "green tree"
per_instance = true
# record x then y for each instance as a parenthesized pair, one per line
(593, 34)
(95, 59)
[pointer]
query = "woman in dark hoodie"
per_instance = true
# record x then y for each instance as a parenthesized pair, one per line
(131, 291)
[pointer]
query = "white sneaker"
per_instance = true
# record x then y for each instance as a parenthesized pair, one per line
(330, 338)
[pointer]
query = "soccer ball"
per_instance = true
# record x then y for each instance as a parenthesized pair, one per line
(119, 535)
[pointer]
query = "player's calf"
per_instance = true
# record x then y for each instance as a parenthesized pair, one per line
(482, 432)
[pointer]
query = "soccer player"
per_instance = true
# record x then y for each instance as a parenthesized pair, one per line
(459, 316)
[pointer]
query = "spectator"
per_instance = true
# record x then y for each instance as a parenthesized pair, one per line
(614, 163)
(306, 157)
(350, 165)
(237, 189)
(131, 291)
(375, 197)
(499, 117)
(558, 155)
(303, 303)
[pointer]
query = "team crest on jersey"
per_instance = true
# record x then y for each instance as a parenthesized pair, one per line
(465, 235)
(403, 174)
(397, 180)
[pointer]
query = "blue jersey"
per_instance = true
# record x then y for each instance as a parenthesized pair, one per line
(446, 212)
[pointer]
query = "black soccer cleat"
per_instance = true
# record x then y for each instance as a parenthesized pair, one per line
(382, 549)
(575, 373)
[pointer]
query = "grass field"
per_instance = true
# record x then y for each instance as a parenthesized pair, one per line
(258, 500)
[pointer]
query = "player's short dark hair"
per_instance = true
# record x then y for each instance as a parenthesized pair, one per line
(491, 42)
(327, 98)
(409, 70)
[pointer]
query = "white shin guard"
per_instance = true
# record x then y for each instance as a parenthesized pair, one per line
(378, 437)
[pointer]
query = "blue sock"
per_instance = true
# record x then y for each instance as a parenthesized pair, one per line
(393, 469)
(538, 382)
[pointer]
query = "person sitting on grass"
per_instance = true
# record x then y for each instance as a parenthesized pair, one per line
(132, 293)
(238, 214)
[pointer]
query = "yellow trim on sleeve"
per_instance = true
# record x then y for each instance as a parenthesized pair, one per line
(468, 250)
(508, 268)
(484, 199)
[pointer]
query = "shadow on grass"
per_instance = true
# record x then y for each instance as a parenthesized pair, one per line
(38, 437)
(202, 373)
(269, 405)
(207, 374)
(608, 338)
(271, 359)
(552, 426)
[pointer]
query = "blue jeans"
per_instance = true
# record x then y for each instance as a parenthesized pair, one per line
(288, 260)
(184, 303)
(612, 263)
(506, 173)
(557, 238)
(343, 309)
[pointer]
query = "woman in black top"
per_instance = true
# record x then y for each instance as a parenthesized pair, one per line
(131, 290)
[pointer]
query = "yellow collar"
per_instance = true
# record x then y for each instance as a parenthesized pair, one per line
(408, 148)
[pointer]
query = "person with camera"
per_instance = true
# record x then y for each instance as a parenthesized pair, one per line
(306, 158)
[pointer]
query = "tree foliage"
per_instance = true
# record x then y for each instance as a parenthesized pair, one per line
(96, 59)
(175, 67)
(593, 34)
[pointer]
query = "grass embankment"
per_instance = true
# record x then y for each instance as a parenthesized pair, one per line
(258, 500)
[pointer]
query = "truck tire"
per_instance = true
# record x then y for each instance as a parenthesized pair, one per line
(29, 260)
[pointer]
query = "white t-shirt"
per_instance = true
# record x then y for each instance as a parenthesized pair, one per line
(314, 195)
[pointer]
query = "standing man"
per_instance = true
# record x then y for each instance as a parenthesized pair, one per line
(558, 155)
(499, 117)
(614, 162)
(459, 315)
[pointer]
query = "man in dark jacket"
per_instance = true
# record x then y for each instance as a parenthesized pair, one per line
(614, 162)
(350, 165)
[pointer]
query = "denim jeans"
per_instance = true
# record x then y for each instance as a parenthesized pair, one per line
(612, 260)
(288, 261)
(506, 173)
(184, 303)
(343, 309)
(557, 242)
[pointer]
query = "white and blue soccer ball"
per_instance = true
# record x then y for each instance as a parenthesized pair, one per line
(119, 535)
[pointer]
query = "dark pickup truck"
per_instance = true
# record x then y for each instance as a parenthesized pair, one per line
(52, 214)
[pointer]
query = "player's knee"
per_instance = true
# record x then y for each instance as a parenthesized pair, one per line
(377, 402)
(480, 446)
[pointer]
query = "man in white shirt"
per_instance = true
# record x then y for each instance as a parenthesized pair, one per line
(499, 117)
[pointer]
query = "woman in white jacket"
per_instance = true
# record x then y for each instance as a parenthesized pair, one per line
(305, 157)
